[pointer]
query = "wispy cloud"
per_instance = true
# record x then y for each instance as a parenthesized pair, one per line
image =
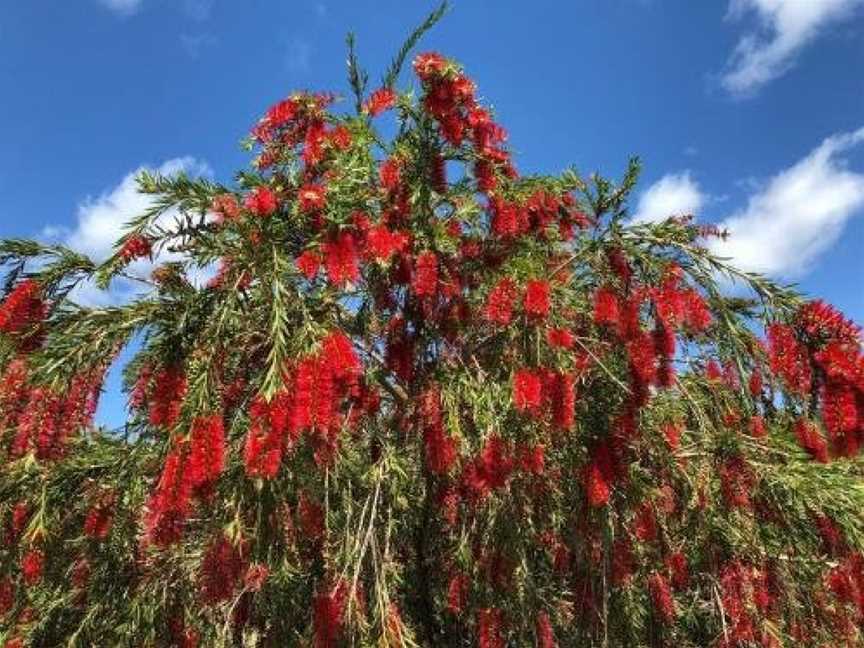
(785, 28)
(101, 221)
(798, 214)
(674, 194)
(122, 7)
(298, 54)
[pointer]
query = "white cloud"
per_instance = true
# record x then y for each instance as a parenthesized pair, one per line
(786, 27)
(122, 7)
(298, 54)
(798, 214)
(101, 221)
(675, 194)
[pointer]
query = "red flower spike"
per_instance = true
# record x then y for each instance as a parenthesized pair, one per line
(380, 100)
(261, 201)
(537, 302)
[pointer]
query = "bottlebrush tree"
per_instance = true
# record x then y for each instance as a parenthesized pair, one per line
(425, 400)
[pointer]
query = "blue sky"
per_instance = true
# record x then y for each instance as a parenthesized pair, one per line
(749, 112)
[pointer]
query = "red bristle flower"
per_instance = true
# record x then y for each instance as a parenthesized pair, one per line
(312, 198)
(14, 392)
(661, 598)
(255, 577)
(341, 259)
(736, 482)
(206, 450)
(489, 628)
(623, 561)
(221, 570)
(499, 304)
(424, 282)
(100, 517)
(645, 523)
(390, 174)
(559, 393)
(328, 614)
(7, 596)
(225, 206)
(560, 338)
(697, 317)
(821, 320)
(310, 516)
(672, 434)
(754, 384)
(811, 440)
(339, 357)
(135, 247)
(381, 243)
(599, 475)
(428, 65)
(606, 310)
(380, 100)
(789, 359)
(309, 263)
(757, 427)
(23, 308)
(261, 201)
(32, 566)
(532, 459)
(457, 593)
(543, 630)
(536, 301)
(527, 390)
(169, 504)
(438, 173)
(441, 448)
(169, 389)
(262, 453)
(676, 563)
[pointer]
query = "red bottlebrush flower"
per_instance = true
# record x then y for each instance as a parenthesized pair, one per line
(532, 459)
(757, 427)
(599, 475)
(543, 630)
(281, 113)
(340, 137)
(507, 219)
(379, 101)
(645, 523)
(676, 563)
(100, 517)
(424, 282)
(221, 569)
(457, 593)
(438, 173)
(527, 390)
(821, 320)
(672, 433)
(698, 317)
(560, 394)
(311, 518)
(206, 450)
(561, 338)
(168, 392)
(261, 201)
(225, 206)
(169, 504)
(623, 561)
(755, 383)
(312, 198)
(32, 565)
(606, 311)
(135, 247)
(339, 357)
(381, 243)
(536, 301)
(262, 453)
(489, 628)
(428, 65)
(328, 614)
(23, 308)
(643, 361)
(789, 359)
(340, 259)
(736, 482)
(499, 303)
(390, 173)
(713, 372)
(255, 577)
(661, 598)
(441, 448)
(7, 596)
(308, 263)
(811, 440)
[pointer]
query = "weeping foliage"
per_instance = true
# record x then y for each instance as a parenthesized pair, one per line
(422, 400)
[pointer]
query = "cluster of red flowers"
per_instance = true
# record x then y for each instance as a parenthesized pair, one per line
(746, 595)
(380, 100)
(165, 398)
(135, 247)
(100, 517)
(23, 309)
(328, 614)
(541, 391)
(221, 571)
(261, 201)
(441, 448)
